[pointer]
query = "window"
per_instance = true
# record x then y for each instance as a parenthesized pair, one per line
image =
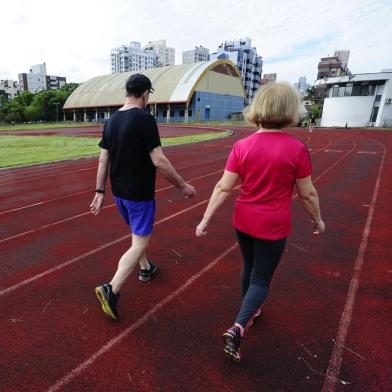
(341, 91)
(182, 113)
(335, 90)
(364, 91)
(356, 91)
(372, 89)
(164, 113)
(378, 98)
(373, 117)
(349, 90)
(190, 112)
(172, 113)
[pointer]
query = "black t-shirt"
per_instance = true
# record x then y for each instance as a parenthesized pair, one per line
(130, 135)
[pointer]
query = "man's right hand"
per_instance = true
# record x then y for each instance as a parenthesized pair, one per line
(96, 205)
(188, 190)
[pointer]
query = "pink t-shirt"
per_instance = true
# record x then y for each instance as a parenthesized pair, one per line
(268, 164)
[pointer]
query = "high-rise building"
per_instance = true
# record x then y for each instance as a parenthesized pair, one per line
(132, 58)
(8, 89)
(343, 55)
(301, 86)
(330, 67)
(194, 56)
(268, 78)
(37, 80)
(245, 57)
(166, 55)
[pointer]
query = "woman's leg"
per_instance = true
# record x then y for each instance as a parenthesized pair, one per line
(267, 254)
(245, 242)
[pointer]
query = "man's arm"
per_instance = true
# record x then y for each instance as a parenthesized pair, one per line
(102, 175)
(308, 195)
(165, 167)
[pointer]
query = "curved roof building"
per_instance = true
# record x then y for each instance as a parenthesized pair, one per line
(209, 90)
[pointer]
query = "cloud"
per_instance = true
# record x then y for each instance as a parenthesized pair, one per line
(75, 40)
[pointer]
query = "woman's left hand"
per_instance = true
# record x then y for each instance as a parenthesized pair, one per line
(201, 228)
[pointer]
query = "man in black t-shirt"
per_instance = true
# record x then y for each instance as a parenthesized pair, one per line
(131, 152)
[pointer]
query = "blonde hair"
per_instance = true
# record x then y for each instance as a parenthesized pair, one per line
(275, 106)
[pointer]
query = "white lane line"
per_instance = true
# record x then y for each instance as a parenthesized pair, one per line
(333, 151)
(91, 252)
(337, 353)
(127, 331)
(89, 213)
(367, 152)
(78, 193)
(48, 175)
(48, 168)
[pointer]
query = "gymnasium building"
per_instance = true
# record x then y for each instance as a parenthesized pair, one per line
(203, 91)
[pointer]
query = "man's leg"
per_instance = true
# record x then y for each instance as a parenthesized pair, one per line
(143, 262)
(129, 260)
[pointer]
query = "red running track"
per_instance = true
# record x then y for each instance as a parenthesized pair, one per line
(325, 326)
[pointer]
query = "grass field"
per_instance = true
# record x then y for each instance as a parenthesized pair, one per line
(20, 127)
(28, 150)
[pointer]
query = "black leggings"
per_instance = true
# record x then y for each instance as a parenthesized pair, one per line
(261, 257)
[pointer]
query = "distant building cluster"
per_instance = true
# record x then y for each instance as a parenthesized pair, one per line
(195, 55)
(35, 80)
(38, 80)
(133, 57)
(156, 54)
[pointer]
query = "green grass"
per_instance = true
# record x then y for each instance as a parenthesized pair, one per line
(55, 125)
(28, 150)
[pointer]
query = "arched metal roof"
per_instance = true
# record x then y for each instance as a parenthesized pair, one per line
(175, 83)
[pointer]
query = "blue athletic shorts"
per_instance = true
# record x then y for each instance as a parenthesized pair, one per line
(139, 215)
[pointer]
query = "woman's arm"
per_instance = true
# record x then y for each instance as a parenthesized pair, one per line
(221, 192)
(308, 195)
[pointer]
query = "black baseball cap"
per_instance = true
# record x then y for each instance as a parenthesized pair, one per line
(138, 84)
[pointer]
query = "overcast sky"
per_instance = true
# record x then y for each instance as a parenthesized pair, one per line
(74, 37)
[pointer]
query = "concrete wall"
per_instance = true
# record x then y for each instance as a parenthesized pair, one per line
(384, 118)
(355, 111)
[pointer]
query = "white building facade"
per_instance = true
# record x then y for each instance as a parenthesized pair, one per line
(241, 53)
(9, 89)
(196, 55)
(359, 100)
(166, 55)
(37, 80)
(132, 58)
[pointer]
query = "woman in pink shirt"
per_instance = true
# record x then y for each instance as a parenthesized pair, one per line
(269, 163)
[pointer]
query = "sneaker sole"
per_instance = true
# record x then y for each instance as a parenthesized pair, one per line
(142, 279)
(105, 305)
(234, 355)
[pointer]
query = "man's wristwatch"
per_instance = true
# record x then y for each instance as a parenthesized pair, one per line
(100, 191)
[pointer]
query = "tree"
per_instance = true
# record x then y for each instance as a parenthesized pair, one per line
(45, 105)
(310, 93)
